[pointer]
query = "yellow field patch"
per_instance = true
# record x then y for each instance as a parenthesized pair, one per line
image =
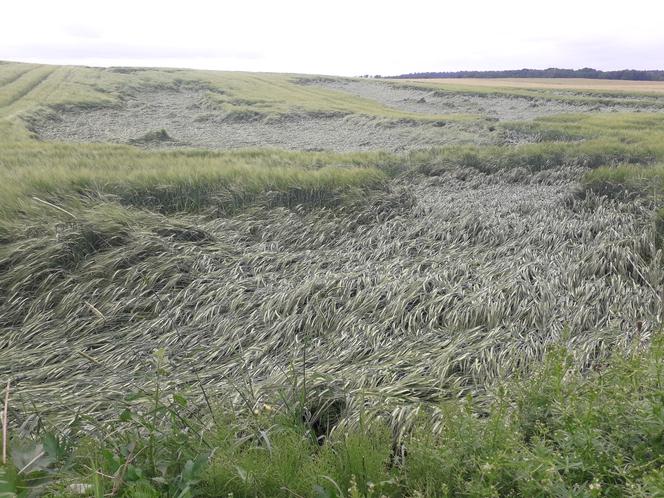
(551, 83)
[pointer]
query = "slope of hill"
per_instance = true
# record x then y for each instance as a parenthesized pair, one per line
(399, 289)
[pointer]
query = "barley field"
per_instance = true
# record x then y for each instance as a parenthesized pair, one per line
(581, 84)
(359, 253)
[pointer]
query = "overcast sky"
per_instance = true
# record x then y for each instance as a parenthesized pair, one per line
(337, 36)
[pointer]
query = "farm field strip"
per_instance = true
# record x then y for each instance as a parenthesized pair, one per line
(628, 87)
(21, 87)
(13, 73)
(501, 106)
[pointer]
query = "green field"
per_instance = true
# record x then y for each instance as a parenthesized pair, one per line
(449, 317)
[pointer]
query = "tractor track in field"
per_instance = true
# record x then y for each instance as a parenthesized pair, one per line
(12, 79)
(28, 88)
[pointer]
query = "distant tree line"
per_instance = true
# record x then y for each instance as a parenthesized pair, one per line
(553, 72)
